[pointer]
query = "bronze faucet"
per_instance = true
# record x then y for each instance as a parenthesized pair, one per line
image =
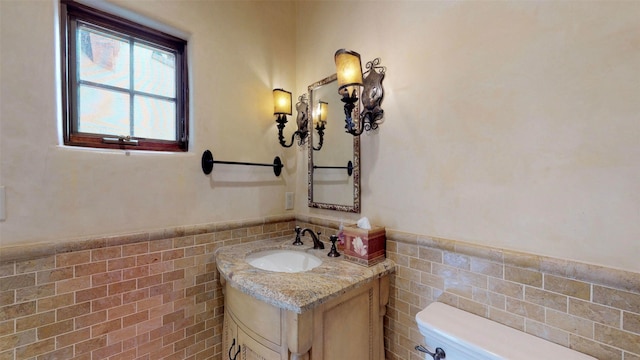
(317, 244)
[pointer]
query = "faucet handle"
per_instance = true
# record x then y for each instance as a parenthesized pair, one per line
(334, 251)
(298, 241)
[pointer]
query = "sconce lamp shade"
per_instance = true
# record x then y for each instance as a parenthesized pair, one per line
(281, 102)
(324, 108)
(348, 68)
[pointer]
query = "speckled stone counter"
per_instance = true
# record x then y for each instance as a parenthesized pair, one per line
(296, 292)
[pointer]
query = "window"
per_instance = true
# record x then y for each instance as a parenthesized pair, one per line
(124, 84)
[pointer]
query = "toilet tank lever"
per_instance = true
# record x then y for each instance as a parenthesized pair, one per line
(437, 355)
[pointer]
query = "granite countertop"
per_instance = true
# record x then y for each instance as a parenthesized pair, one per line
(296, 292)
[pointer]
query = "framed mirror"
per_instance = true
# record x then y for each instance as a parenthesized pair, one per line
(334, 156)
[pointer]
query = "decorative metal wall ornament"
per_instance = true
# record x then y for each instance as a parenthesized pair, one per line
(372, 95)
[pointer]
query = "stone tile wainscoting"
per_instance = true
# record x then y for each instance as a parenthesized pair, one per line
(591, 309)
(157, 295)
(147, 296)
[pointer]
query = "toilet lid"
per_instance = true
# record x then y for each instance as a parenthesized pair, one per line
(466, 336)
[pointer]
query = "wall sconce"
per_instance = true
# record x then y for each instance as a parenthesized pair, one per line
(282, 108)
(351, 78)
(321, 122)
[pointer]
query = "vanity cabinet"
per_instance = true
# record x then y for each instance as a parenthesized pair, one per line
(349, 326)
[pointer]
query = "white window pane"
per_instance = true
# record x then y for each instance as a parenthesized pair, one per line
(154, 118)
(154, 71)
(103, 111)
(102, 58)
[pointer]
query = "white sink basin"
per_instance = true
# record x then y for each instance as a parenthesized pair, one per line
(280, 260)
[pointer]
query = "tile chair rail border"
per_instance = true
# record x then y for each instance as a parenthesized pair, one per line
(596, 274)
(22, 252)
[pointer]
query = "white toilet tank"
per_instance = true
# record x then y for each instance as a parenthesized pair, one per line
(466, 336)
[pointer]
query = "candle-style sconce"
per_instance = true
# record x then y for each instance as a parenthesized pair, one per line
(282, 108)
(351, 78)
(321, 122)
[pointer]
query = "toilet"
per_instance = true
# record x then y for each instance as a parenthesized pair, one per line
(465, 336)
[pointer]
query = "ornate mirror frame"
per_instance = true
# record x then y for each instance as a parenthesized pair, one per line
(355, 208)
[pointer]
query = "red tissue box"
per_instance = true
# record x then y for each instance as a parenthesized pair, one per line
(365, 247)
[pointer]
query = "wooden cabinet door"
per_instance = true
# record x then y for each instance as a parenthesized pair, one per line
(237, 344)
(253, 350)
(230, 341)
(344, 328)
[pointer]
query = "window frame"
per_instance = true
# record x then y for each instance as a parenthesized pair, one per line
(72, 12)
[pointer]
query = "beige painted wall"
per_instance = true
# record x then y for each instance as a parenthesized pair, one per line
(509, 124)
(238, 52)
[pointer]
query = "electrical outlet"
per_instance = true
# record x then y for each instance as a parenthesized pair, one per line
(288, 201)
